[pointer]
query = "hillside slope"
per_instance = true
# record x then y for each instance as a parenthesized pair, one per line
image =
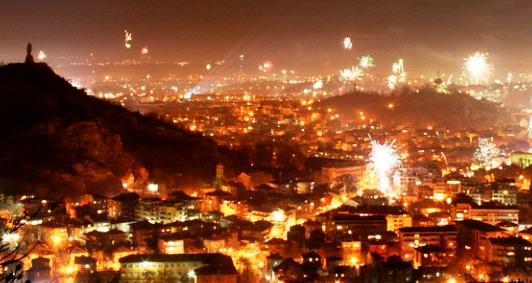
(56, 137)
(455, 111)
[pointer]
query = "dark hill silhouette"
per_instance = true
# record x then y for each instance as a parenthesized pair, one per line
(455, 110)
(56, 137)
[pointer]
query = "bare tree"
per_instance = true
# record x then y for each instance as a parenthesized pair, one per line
(11, 256)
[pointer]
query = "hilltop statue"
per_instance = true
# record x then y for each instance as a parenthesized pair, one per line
(29, 57)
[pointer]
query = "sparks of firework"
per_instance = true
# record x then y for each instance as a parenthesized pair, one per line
(266, 66)
(487, 154)
(398, 74)
(444, 158)
(392, 81)
(347, 43)
(144, 50)
(208, 67)
(41, 55)
(352, 74)
(477, 68)
(318, 84)
(128, 37)
(188, 95)
(398, 68)
(384, 159)
(366, 62)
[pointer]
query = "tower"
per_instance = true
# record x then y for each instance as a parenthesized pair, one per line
(219, 176)
(29, 57)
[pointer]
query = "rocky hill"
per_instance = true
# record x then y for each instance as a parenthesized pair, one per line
(56, 137)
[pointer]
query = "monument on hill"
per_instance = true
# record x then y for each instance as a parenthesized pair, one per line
(29, 57)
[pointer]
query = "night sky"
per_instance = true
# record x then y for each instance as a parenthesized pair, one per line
(430, 35)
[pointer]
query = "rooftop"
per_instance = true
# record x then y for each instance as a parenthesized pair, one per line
(215, 259)
(445, 228)
(479, 225)
(510, 241)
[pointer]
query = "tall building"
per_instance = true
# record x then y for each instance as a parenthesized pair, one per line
(473, 237)
(219, 176)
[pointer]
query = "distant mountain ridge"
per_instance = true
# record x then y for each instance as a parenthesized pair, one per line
(56, 137)
(421, 109)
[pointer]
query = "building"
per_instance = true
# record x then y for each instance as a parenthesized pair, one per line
(406, 180)
(473, 237)
(413, 237)
(395, 218)
(394, 222)
(40, 270)
(128, 203)
(433, 255)
(201, 268)
(351, 252)
(155, 210)
(219, 176)
(506, 196)
(171, 244)
(509, 251)
(330, 173)
(521, 159)
(494, 192)
(352, 226)
(489, 213)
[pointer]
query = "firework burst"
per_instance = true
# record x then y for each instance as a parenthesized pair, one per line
(41, 55)
(488, 155)
(318, 84)
(266, 66)
(348, 44)
(384, 159)
(477, 67)
(352, 74)
(398, 74)
(128, 36)
(366, 62)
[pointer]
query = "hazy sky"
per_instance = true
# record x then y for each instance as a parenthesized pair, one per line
(305, 34)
